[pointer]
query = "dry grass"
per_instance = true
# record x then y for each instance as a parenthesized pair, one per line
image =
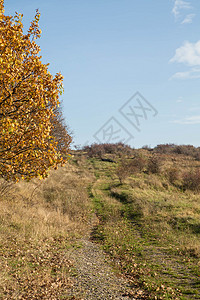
(39, 220)
(150, 226)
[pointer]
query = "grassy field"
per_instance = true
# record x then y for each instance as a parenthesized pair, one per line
(148, 224)
(39, 221)
(150, 228)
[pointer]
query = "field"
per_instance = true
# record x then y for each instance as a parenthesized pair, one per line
(148, 214)
(39, 221)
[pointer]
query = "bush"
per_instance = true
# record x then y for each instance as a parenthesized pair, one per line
(147, 147)
(98, 150)
(128, 167)
(154, 165)
(138, 163)
(191, 180)
(188, 150)
(197, 156)
(95, 150)
(122, 171)
(164, 148)
(172, 175)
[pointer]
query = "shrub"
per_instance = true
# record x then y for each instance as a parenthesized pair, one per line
(154, 165)
(147, 147)
(138, 163)
(164, 148)
(122, 171)
(128, 167)
(197, 156)
(172, 174)
(191, 180)
(188, 150)
(97, 150)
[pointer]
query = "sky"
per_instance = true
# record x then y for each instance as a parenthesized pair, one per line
(131, 68)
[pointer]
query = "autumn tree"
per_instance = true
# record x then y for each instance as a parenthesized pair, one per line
(60, 131)
(29, 101)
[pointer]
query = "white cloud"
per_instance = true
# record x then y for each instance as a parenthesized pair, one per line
(188, 120)
(191, 74)
(181, 75)
(180, 11)
(180, 5)
(188, 19)
(188, 54)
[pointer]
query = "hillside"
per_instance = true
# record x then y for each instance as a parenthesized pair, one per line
(142, 207)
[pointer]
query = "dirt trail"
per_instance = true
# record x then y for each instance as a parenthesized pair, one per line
(95, 278)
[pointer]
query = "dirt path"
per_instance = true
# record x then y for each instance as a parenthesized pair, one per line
(95, 278)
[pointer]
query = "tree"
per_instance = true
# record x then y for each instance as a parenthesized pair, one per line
(60, 131)
(29, 101)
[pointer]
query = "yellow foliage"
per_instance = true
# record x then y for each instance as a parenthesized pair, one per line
(29, 95)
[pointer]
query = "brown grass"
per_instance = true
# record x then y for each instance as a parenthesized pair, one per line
(147, 214)
(150, 225)
(39, 220)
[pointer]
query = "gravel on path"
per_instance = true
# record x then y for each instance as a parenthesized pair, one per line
(95, 278)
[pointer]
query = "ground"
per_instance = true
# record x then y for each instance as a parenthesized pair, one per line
(85, 234)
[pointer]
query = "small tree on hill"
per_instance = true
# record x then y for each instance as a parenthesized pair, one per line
(122, 171)
(154, 165)
(29, 98)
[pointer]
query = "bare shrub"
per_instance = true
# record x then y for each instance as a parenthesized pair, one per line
(154, 165)
(138, 163)
(172, 174)
(188, 150)
(98, 150)
(95, 150)
(128, 167)
(191, 180)
(197, 156)
(122, 171)
(165, 148)
(147, 147)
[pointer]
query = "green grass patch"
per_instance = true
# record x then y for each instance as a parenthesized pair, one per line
(150, 231)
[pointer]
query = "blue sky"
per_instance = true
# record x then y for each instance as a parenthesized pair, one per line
(110, 49)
